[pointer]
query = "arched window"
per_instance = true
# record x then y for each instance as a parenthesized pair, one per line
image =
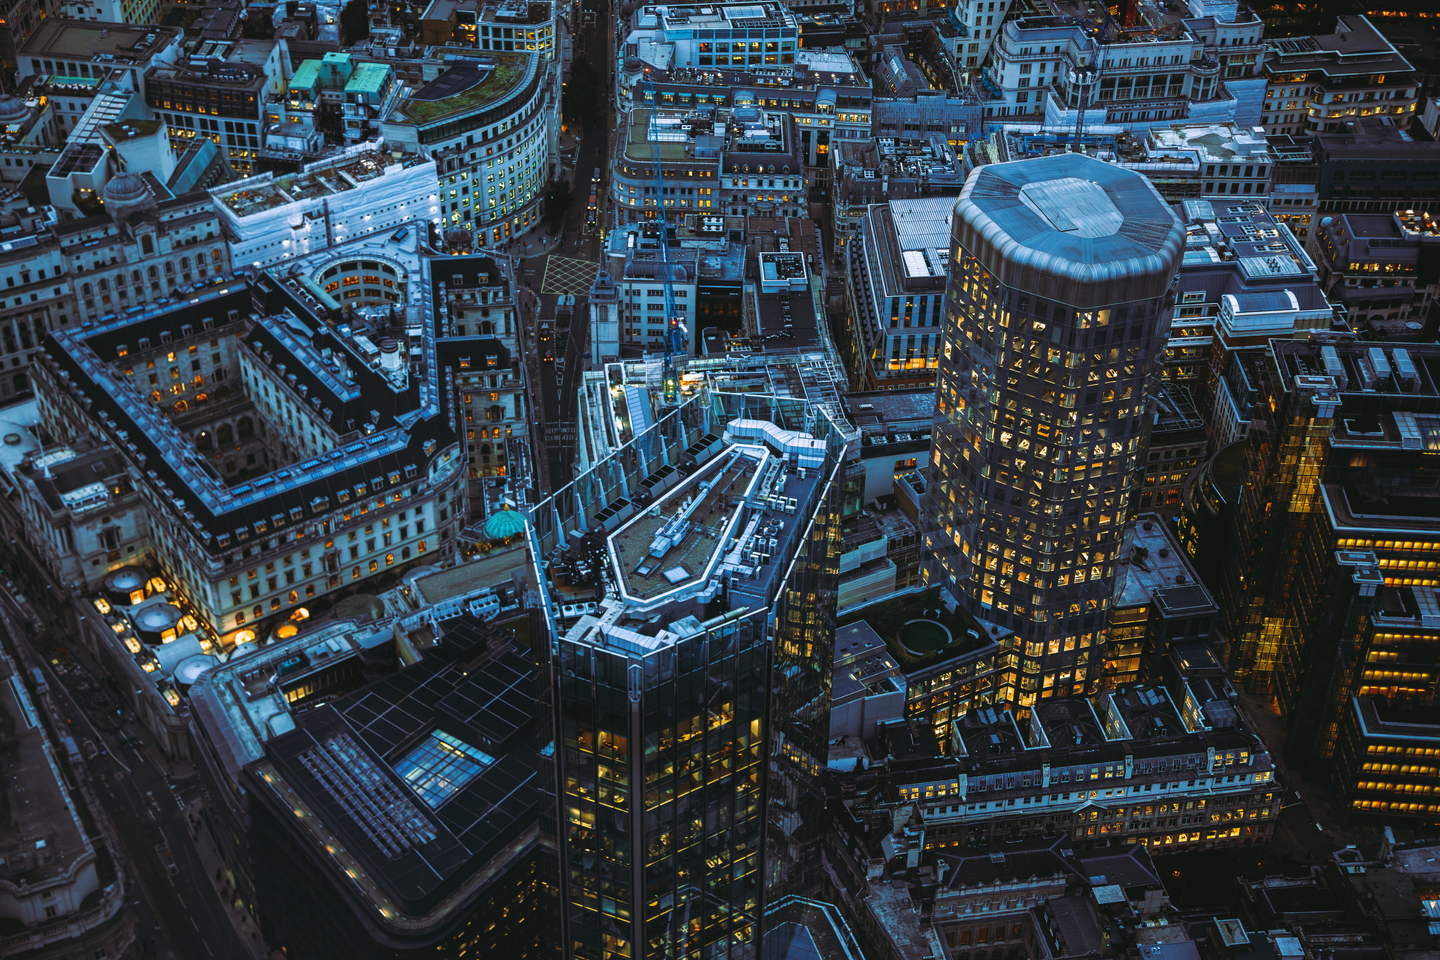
(154, 272)
(246, 428)
(147, 245)
(88, 290)
(225, 434)
(104, 285)
(215, 255)
(485, 452)
(374, 565)
(181, 406)
(184, 263)
(202, 398)
(496, 412)
(355, 574)
(293, 598)
(135, 275)
(389, 559)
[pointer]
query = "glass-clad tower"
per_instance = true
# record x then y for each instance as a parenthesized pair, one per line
(1055, 319)
(688, 585)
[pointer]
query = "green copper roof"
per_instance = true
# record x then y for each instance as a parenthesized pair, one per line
(368, 78)
(506, 523)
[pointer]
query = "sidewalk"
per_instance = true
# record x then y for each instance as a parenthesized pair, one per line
(199, 823)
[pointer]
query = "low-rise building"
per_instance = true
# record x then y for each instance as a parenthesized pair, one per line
(1383, 268)
(95, 49)
(363, 191)
(219, 92)
(1373, 166)
(361, 468)
(889, 168)
(63, 878)
(1127, 767)
(84, 512)
(1163, 67)
(1314, 84)
(1236, 161)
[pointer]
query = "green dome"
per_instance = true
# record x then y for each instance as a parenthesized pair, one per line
(506, 523)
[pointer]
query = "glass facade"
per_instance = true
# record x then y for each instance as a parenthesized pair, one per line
(662, 808)
(688, 795)
(1044, 408)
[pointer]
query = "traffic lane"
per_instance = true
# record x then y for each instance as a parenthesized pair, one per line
(141, 808)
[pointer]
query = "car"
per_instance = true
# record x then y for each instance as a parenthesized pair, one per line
(400, 234)
(595, 177)
(549, 356)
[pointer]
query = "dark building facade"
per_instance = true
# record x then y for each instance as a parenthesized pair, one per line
(1056, 313)
(1322, 558)
(404, 820)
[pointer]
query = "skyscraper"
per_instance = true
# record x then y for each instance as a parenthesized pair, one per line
(1055, 317)
(688, 590)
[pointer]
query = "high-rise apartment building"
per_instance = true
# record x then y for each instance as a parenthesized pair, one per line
(688, 582)
(1056, 314)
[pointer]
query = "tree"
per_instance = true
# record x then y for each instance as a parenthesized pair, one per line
(355, 21)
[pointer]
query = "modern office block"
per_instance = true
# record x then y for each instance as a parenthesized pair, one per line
(1056, 313)
(1322, 562)
(692, 704)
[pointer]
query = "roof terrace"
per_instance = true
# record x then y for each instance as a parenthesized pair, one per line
(465, 86)
(260, 194)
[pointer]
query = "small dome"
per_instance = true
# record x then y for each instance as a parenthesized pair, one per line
(458, 238)
(127, 195)
(506, 523)
(12, 109)
(127, 186)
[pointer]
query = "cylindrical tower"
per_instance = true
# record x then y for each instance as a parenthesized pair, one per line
(1055, 320)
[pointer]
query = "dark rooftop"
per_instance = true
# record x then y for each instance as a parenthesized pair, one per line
(413, 773)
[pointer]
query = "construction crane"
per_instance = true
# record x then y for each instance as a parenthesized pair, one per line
(1104, 33)
(674, 337)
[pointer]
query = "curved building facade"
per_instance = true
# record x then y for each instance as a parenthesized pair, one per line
(492, 129)
(1055, 322)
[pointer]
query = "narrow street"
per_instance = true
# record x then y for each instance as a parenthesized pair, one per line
(171, 891)
(567, 271)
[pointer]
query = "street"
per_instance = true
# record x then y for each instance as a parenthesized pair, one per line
(177, 911)
(569, 270)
